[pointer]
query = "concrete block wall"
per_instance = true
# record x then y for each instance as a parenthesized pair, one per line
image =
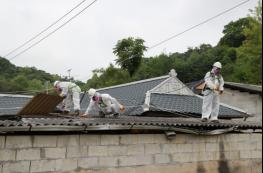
(131, 153)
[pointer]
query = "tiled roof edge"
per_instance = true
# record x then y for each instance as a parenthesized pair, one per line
(15, 95)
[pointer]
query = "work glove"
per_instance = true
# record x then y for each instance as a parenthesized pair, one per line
(216, 88)
(122, 108)
(62, 95)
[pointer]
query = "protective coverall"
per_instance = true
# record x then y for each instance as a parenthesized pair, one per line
(211, 97)
(71, 92)
(106, 105)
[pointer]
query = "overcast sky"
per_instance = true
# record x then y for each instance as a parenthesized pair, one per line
(86, 42)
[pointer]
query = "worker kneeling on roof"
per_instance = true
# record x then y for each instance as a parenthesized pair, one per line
(104, 104)
(71, 93)
(214, 86)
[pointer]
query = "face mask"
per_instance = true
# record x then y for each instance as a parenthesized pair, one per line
(216, 70)
(96, 98)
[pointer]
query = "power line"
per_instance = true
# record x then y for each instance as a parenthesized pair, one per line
(205, 21)
(44, 30)
(53, 31)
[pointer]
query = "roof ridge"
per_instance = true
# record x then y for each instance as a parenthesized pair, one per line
(135, 82)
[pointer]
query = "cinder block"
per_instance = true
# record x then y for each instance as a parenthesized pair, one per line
(135, 149)
(87, 163)
(211, 147)
(199, 147)
(54, 153)
(256, 154)
(228, 155)
(160, 139)
(245, 154)
(2, 142)
(244, 137)
(68, 140)
(145, 138)
(152, 148)
(182, 157)
(108, 162)
(28, 154)
(117, 150)
(66, 164)
(43, 166)
(7, 155)
(162, 158)
(89, 140)
(170, 148)
(185, 147)
(45, 141)
(136, 160)
(211, 139)
(19, 142)
(259, 145)
(110, 139)
(179, 139)
(20, 166)
(98, 151)
(78, 151)
(129, 139)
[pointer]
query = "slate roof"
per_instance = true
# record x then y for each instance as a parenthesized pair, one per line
(189, 105)
(11, 104)
(132, 95)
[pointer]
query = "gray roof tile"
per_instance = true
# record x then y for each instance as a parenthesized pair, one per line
(188, 105)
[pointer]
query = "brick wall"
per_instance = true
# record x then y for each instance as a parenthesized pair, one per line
(143, 153)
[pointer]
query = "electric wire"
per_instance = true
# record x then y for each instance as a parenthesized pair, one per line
(44, 30)
(199, 24)
(53, 31)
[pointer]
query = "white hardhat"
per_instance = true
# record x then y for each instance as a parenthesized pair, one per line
(91, 92)
(217, 64)
(55, 83)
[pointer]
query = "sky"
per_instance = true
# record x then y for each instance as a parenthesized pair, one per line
(86, 42)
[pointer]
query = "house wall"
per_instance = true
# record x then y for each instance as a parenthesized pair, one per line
(143, 153)
(251, 103)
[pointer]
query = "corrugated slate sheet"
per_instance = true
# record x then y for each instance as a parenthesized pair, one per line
(40, 104)
(122, 123)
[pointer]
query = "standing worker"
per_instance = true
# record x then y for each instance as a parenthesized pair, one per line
(214, 86)
(104, 104)
(70, 92)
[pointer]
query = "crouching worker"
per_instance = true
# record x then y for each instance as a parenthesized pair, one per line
(70, 92)
(103, 104)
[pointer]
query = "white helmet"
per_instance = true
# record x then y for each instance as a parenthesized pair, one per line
(91, 92)
(55, 83)
(218, 65)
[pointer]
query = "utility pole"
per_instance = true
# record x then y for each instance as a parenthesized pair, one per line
(46, 86)
(69, 70)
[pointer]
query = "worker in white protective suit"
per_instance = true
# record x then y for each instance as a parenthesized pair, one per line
(103, 104)
(214, 86)
(71, 93)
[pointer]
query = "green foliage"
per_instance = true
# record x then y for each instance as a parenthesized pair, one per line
(129, 52)
(234, 35)
(25, 80)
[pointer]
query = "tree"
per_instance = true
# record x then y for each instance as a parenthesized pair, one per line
(234, 35)
(129, 52)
